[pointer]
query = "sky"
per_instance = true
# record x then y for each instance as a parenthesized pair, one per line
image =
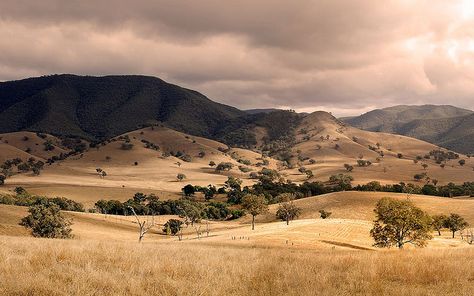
(345, 57)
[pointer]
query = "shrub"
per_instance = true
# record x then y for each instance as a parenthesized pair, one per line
(172, 227)
(126, 146)
(324, 214)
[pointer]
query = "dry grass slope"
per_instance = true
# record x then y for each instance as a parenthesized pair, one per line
(51, 267)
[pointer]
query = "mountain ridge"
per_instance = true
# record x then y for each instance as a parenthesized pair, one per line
(443, 125)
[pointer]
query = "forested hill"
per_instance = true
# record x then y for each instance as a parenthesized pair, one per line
(102, 107)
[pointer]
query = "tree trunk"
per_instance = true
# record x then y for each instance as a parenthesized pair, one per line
(439, 232)
(287, 221)
(253, 222)
(454, 233)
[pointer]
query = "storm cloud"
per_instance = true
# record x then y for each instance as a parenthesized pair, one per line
(341, 56)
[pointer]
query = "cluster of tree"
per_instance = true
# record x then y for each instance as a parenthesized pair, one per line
(22, 167)
(74, 144)
(150, 145)
(399, 222)
(271, 186)
(453, 222)
(24, 198)
(143, 204)
(441, 156)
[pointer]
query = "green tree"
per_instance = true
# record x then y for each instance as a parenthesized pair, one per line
(45, 220)
(255, 205)
(439, 222)
(224, 166)
(288, 211)
(172, 227)
(455, 223)
(189, 190)
(400, 222)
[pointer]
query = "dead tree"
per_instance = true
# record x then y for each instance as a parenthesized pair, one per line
(468, 235)
(143, 226)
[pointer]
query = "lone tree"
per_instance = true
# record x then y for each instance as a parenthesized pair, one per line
(400, 222)
(455, 223)
(348, 167)
(324, 214)
(439, 222)
(255, 205)
(180, 177)
(224, 166)
(45, 220)
(143, 226)
(287, 210)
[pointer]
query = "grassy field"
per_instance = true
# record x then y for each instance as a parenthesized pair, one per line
(56, 267)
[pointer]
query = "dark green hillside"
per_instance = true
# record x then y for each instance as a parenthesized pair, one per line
(102, 107)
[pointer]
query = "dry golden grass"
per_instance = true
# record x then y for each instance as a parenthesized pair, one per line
(55, 267)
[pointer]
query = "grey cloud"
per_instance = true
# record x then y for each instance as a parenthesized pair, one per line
(340, 55)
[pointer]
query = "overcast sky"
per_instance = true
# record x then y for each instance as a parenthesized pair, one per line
(346, 57)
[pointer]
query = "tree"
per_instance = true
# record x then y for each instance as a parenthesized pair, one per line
(224, 166)
(455, 223)
(287, 210)
(309, 174)
(324, 214)
(342, 181)
(2, 180)
(172, 227)
(45, 220)
(348, 167)
(400, 222)
(212, 164)
(143, 226)
(190, 211)
(255, 205)
(189, 190)
(462, 162)
(424, 166)
(439, 222)
(180, 177)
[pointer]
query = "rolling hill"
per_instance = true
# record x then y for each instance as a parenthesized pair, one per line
(321, 143)
(446, 126)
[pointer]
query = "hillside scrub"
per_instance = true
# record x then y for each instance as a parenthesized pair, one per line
(23, 198)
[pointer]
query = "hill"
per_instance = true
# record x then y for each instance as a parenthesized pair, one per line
(323, 144)
(446, 126)
(102, 107)
(149, 159)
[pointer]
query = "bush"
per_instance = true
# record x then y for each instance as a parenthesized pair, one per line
(173, 226)
(126, 146)
(324, 214)
(46, 220)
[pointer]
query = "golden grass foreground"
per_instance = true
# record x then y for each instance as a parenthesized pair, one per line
(31, 266)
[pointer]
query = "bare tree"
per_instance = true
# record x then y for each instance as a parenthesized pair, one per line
(143, 226)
